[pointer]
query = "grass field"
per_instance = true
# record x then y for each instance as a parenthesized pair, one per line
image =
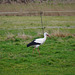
(36, 7)
(30, 9)
(57, 54)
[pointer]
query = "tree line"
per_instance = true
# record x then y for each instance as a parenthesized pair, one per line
(34, 1)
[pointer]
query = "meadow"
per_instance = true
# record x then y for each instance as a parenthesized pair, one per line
(48, 9)
(57, 54)
(16, 7)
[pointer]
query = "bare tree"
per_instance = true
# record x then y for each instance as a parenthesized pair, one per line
(8, 1)
(40, 1)
(1, 1)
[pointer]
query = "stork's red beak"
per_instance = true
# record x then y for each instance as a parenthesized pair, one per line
(48, 35)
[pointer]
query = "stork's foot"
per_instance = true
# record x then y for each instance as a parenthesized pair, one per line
(38, 51)
(33, 50)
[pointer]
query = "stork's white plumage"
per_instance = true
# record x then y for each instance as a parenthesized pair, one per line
(37, 42)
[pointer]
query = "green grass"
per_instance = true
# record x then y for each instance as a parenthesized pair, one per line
(57, 57)
(35, 21)
(17, 24)
(57, 54)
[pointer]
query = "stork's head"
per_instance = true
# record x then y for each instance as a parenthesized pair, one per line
(46, 34)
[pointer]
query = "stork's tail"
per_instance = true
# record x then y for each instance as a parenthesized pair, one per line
(28, 44)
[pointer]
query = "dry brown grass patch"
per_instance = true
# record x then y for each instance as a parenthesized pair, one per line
(58, 33)
(24, 36)
(10, 36)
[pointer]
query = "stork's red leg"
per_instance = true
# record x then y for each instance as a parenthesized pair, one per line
(33, 50)
(38, 51)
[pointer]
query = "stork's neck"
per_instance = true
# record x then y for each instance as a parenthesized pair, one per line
(45, 36)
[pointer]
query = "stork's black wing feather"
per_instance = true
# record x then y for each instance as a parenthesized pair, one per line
(33, 43)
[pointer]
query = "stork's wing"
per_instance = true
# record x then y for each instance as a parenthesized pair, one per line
(33, 43)
(40, 40)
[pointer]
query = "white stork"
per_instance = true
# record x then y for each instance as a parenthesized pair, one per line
(37, 42)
